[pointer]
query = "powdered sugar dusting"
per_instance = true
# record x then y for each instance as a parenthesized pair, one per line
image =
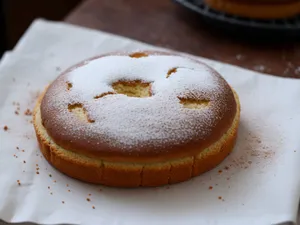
(127, 122)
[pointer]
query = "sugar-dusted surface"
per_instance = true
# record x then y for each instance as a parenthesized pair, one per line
(137, 126)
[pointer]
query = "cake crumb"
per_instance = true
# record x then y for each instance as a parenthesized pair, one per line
(19, 183)
(67, 185)
(220, 197)
(54, 181)
(226, 168)
(23, 150)
(69, 190)
(220, 171)
(48, 187)
(210, 188)
(50, 175)
(62, 202)
(90, 194)
(37, 172)
(16, 112)
(17, 148)
(5, 128)
(28, 112)
(24, 161)
(88, 199)
(93, 207)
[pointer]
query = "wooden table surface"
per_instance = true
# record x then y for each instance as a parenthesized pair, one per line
(165, 24)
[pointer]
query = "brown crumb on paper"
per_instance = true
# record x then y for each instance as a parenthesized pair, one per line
(63, 202)
(51, 193)
(19, 183)
(48, 187)
(28, 112)
(69, 190)
(5, 128)
(90, 194)
(24, 161)
(210, 188)
(93, 207)
(88, 199)
(37, 172)
(16, 112)
(50, 175)
(220, 171)
(220, 197)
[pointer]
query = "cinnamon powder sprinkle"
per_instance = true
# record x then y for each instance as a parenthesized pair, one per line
(5, 128)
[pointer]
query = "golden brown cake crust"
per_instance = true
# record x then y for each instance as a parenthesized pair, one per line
(223, 107)
(257, 9)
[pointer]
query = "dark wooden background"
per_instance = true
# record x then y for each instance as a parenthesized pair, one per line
(161, 23)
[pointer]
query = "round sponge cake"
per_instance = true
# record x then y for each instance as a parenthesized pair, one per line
(137, 119)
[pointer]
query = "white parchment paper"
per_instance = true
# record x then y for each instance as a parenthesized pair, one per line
(259, 183)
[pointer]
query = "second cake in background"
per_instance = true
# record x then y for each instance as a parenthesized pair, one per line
(257, 9)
